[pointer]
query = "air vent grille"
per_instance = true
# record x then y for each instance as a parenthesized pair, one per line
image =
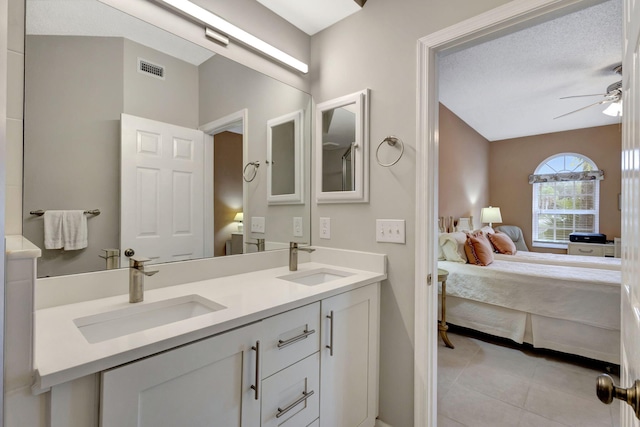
(150, 68)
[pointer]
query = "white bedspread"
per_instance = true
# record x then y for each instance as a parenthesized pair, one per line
(605, 263)
(586, 295)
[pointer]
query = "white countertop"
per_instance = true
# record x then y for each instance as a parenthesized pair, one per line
(63, 354)
(18, 247)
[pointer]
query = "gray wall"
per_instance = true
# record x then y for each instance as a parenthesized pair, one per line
(265, 98)
(376, 48)
(73, 101)
(76, 88)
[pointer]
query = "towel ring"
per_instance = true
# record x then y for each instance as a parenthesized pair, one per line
(392, 141)
(255, 165)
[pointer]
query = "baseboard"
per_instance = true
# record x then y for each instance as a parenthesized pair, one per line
(380, 423)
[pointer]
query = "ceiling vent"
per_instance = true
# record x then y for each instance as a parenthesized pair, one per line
(150, 69)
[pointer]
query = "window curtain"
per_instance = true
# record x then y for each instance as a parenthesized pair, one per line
(568, 176)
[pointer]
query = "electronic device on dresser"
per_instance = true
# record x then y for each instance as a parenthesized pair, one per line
(588, 238)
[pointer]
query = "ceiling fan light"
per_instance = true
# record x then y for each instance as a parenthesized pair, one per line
(614, 109)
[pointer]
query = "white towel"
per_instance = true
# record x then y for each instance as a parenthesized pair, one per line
(74, 230)
(53, 229)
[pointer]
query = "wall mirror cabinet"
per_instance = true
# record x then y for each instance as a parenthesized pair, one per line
(285, 159)
(86, 65)
(342, 147)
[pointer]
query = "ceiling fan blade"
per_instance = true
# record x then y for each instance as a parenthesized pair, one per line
(582, 96)
(606, 101)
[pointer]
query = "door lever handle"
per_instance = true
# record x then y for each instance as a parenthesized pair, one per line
(607, 391)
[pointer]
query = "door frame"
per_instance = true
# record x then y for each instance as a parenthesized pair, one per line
(210, 129)
(494, 23)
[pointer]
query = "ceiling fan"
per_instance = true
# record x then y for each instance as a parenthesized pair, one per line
(612, 96)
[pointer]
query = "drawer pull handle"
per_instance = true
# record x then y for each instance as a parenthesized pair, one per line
(256, 387)
(584, 251)
(305, 334)
(330, 346)
(305, 396)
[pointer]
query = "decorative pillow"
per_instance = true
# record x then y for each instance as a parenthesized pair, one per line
(502, 243)
(478, 249)
(452, 246)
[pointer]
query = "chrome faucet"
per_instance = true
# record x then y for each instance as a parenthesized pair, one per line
(136, 278)
(259, 244)
(293, 255)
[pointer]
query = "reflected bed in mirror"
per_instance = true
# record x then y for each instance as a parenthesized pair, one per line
(342, 166)
(94, 64)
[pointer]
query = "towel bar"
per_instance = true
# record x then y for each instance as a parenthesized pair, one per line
(40, 212)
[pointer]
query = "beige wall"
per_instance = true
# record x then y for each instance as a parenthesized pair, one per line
(513, 160)
(463, 186)
(227, 187)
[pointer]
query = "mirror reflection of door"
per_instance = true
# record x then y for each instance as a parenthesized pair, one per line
(283, 159)
(227, 190)
(338, 136)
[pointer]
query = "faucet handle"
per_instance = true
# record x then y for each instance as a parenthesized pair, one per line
(138, 261)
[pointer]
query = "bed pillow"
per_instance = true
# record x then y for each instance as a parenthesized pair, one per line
(502, 243)
(478, 249)
(452, 246)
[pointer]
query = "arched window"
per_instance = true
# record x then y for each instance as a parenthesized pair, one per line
(566, 198)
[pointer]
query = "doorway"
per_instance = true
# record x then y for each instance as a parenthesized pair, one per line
(492, 24)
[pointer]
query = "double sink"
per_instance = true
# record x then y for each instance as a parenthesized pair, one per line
(137, 318)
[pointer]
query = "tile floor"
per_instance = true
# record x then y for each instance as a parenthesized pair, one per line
(484, 382)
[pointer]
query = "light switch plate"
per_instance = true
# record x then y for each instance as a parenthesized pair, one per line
(257, 224)
(325, 228)
(297, 226)
(390, 230)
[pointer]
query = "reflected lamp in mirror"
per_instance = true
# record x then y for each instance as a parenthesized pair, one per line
(490, 215)
(342, 144)
(238, 218)
(285, 160)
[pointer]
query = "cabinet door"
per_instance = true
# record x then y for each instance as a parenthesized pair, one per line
(207, 383)
(349, 358)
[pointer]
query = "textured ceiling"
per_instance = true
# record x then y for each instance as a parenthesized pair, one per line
(511, 87)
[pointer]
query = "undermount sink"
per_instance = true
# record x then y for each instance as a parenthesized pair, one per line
(113, 324)
(315, 277)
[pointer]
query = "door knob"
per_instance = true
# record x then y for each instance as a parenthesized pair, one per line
(129, 252)
(607, 391)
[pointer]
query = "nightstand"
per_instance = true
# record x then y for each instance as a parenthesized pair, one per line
(591, 249)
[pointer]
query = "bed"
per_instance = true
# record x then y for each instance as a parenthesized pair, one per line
(566, 303)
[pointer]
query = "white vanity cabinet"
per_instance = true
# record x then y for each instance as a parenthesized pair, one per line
(316, 365)
(349, 358)
(202, 384)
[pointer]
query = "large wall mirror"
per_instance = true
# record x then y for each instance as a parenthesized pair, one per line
(342, 165)
(87, 65)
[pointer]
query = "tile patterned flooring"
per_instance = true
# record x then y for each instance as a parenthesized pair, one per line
(483, 382)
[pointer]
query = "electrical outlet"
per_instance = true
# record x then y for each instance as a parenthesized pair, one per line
(297, 226)
(390, 230)
(257, 224)
(325, 228)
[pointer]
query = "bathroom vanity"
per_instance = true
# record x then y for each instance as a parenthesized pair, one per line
(253, 349)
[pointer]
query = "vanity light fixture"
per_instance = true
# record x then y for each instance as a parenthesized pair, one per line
(208, 18)
(490, 215)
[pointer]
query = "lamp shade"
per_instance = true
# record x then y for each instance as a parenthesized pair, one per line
(490, 215)
(614, 109)
(238, 217)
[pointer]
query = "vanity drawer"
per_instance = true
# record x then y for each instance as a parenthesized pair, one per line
(290, 337)
(292, 396)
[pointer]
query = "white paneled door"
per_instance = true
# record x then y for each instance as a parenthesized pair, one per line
(162, 190)
(631, 205)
